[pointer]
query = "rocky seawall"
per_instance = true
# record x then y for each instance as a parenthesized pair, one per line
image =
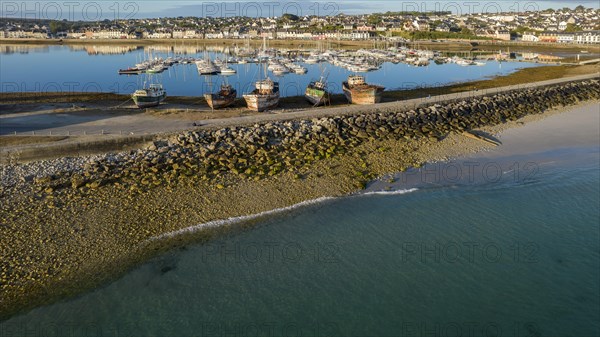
(267, 149)
(68, 224)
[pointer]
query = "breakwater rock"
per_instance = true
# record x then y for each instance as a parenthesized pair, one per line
(262, 150)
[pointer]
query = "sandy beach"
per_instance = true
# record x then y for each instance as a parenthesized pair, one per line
(61, 240)
(558, 129)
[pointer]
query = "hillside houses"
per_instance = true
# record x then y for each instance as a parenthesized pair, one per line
(549, 26)
(497, 34)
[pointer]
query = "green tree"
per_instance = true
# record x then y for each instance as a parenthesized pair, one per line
(373, 19)
(57, 26)
(435, 24)
(571, 28)
(290, 17)
(520, 30)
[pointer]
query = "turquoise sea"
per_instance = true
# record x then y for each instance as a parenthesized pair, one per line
(514, 254)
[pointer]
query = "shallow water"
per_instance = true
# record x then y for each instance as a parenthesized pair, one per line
(509, 257)
(68, 69)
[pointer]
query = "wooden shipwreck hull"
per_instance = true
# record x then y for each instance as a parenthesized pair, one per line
(316, 96)
(221, 99)
(261, 102)
(363, 94)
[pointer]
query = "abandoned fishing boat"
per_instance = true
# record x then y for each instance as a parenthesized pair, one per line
(264, 97)
(316, 92)
(223, 98)
(357, 91)
(149, 96)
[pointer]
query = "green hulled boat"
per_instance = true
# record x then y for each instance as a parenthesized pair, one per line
(316, 93)
(150, 96)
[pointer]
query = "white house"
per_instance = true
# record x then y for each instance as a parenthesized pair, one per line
(360, 35)
(178, 34)
(562, 25)
(529, 37)
(109, 34)
(190, 34)
(75, 35)
(565, 38)
(592, 37)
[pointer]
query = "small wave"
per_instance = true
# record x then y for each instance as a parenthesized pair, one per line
(234, 220)
(396, 192)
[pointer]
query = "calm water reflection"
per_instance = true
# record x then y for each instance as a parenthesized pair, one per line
(94, 68)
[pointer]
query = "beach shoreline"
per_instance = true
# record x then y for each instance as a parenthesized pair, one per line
(67, 240)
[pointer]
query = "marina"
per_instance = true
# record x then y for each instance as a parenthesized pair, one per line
(179, 72)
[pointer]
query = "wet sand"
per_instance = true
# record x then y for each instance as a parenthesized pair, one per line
(578, 126)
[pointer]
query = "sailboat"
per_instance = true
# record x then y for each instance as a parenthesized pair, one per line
(206, 66)
(263, 54)
(225, 97)
(225, 69)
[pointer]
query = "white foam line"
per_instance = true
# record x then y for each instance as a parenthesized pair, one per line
(234, 220)
(396, 192)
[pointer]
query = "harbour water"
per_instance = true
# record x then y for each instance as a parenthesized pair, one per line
(69, 69)
(483, 257)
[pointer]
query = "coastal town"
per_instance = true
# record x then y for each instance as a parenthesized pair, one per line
(563, 26)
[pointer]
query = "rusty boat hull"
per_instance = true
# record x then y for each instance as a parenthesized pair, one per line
(363, 94)
(220, 100)
(264, 97)
(316, 96)
(262, 102)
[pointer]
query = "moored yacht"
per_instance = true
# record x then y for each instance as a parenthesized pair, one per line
(206, 67)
